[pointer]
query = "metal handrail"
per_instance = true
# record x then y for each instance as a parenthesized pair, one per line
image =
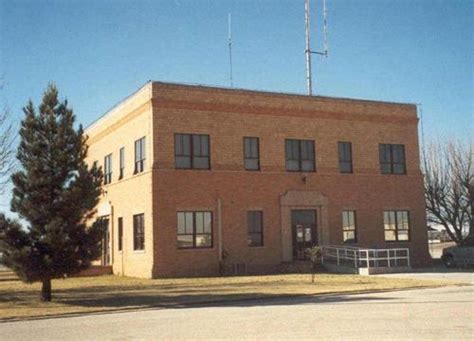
(359, 255)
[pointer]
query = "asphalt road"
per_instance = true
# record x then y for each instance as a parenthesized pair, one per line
(443, 313)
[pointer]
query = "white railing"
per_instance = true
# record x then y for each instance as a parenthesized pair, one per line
(356, 257)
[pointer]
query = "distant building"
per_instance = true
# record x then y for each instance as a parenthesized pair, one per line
(201, 177)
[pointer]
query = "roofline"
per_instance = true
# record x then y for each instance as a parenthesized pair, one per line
(276, 93)
(232, 89)
(116, 105)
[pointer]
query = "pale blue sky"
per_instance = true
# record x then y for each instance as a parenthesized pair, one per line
(98, 52)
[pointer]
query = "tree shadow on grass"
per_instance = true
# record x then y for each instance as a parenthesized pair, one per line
(109, 304)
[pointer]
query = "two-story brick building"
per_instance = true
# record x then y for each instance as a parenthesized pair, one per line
(200, 176)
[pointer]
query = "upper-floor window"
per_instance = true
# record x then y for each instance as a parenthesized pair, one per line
(345, 157)
(194, 230)
(139, 232)
(349, 227)
(108, 169)
(396, 225)
(191, 151)
(120, 233)
(122, 162)
(300, 155)
(251, 153)
(255, 228)
(139, 155)
(392, 158)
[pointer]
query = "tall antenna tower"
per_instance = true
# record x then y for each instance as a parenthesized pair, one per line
(229, 29)
(308, 51)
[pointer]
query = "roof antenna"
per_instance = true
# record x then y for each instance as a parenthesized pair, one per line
(229, 29)
(308, 50)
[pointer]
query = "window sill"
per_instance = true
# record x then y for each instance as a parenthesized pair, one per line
(139, 251)
(200, 249)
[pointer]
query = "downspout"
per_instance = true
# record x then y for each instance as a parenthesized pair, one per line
(219, 228)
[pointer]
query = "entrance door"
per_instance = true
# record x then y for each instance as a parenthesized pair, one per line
(106, 243)
(303, 224)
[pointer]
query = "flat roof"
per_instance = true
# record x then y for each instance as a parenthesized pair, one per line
(243, 90)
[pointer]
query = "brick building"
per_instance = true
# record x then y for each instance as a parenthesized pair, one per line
(200, 176)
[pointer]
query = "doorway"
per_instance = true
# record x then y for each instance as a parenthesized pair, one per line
(303, 223)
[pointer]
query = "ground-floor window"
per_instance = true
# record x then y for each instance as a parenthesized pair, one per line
(139, 232)
(349, 232)
(194, 230)
(255, 228)
(396, 225)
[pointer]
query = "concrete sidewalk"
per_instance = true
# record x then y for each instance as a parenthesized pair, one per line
(458, 275)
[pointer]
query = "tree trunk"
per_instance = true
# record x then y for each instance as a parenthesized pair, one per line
(46, 290)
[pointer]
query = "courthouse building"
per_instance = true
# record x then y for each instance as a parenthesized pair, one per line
(200, 178)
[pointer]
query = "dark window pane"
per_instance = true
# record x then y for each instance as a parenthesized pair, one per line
(307, 166)
(138, 232)
(183, 161)
(398, 168)
(251, 164)
(251, 153)
(345, 167)
(307, 150)
(255, 239)
(255, 228)
(345, 157)
(120, 234)
(201, 162)
(292, 165)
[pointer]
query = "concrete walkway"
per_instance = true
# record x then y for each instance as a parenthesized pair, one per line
(435, 314)
(458, 275)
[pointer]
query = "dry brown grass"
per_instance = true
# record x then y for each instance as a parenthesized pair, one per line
(113, 293)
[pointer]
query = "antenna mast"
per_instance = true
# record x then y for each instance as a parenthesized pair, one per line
(229, 29)
(308, 51)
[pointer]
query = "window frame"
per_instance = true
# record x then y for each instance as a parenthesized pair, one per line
(385, 148)
(139, 236)
(250, 232)
(192, 155)
(120, 234)
(140, 156)
(194, 233)
(108, 169)
(342, 161)
(299, 159)
(397, 229)
(345, 229)
(251, 158)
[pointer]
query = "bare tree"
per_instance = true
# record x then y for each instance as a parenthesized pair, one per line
(7, 139)
(449, 187)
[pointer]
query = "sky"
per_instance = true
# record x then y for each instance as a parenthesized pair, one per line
(98, 52)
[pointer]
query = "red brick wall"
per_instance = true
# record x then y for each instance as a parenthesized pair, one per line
(228, 116)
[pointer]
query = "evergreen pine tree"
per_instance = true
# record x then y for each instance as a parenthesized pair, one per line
(55, 193)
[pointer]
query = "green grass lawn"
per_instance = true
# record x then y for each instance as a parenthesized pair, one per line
(114, 293)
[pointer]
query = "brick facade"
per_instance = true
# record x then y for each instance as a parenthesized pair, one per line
(160, 110)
